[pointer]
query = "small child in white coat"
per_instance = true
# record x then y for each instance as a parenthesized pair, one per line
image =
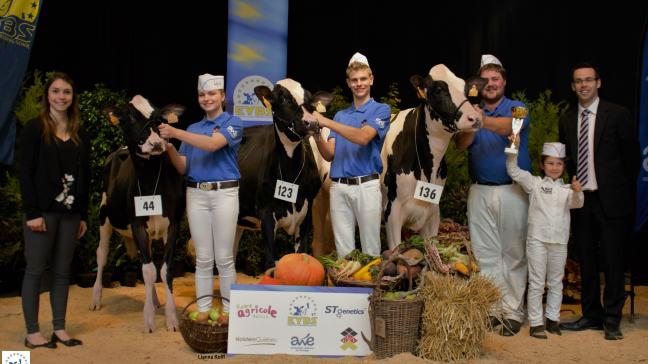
(548, 232)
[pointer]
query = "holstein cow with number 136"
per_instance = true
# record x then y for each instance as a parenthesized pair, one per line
(414, 169)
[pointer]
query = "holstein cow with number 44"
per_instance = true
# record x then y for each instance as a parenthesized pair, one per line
(279, 177)
(143, 200)
(414, 169)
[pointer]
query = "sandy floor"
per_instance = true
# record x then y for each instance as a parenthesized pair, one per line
(115, 334)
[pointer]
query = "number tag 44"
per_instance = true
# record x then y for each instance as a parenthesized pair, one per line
(286, 191)
(148, 205)
(428, 192)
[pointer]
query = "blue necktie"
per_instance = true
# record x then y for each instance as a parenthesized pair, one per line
(583, 150)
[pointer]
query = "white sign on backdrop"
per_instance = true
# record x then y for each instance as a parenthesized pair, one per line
(299, 320)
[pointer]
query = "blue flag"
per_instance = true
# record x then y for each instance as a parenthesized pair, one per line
(17, 28)
(256, 54)
(642, 180)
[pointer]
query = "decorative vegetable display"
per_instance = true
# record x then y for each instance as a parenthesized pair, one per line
(299, 269)
(364, 273)
(269, 279)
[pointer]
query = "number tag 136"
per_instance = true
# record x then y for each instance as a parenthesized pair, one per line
(148, 205)
(286, 191)
(428, 192)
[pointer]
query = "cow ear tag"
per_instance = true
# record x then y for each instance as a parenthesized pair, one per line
(266, 103)
(113, 119)
(473, 91)
(320, 107)
(172, 118)
(421, 93)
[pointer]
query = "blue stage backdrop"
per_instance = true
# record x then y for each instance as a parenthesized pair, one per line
(256, 54)
(642, 180)
(18, 20)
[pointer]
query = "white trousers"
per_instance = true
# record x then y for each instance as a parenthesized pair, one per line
(546, 262)
(356, 203)
(212, 219)
(497, 217)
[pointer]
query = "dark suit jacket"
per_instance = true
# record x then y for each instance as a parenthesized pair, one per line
(616, 155)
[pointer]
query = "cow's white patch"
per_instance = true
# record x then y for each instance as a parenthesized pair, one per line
(288, 144)
(233, 133)
(142, 105)
(293, 221)
(154, 144)
(295, 89)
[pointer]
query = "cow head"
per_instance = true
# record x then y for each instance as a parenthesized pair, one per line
(443, 94)
(139, 121)
(288, 100)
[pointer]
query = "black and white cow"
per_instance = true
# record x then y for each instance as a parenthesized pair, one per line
(414, 148)
(143, 169)
(279, 152)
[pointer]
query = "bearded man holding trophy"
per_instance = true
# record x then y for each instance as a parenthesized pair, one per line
(497, 207)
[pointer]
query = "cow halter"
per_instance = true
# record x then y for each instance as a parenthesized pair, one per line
(156, 180)
(290, 125)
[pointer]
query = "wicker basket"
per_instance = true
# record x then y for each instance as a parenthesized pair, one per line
(203, 337)
(394, 323)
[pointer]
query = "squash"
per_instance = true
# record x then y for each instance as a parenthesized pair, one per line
(298, 269)
(364, 274)
(269, 279)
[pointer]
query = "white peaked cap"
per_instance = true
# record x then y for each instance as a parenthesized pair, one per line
(209, 82)
(360, 58)
(488, 59)
(554, 150)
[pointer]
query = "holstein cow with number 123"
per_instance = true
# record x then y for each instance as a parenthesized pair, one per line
(279, 177)
(143, 200)
(414, 170)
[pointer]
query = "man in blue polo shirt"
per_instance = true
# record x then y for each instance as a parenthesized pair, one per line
(357, 136)
(497, 207)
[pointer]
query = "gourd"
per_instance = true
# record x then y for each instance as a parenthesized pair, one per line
(299, 269)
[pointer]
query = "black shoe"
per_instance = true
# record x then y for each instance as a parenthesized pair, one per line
(68, 342)
(510, 327)
(553, 327)
(49, 345)
(538, 332)
(494, 322)
(583, 323)
(612, 332)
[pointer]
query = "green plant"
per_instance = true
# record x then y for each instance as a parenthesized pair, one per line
(12, 248)
(455, 191)
(28, 105)
(393, 98)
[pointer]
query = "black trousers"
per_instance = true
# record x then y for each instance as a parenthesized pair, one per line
(56, 245)
(600, 244)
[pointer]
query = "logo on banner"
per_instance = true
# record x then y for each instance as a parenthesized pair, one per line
(303, 344)
(256, 341)
(302, 312)
(18, 21)
(348, 339)
(340, 312)
(256, 311)
(247, 105)
(15, 357)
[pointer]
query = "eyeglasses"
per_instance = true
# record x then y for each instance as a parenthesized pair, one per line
(579, 81)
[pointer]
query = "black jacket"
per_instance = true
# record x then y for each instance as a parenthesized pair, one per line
(40, 172)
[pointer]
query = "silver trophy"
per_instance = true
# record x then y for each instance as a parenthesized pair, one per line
(518, 113)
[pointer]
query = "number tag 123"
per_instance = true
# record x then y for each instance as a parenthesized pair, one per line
(148, 205)
(286, 191)
(428, 192)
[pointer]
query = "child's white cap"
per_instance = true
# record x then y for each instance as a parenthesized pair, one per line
(489, 59)
(209, 82)
(360, 58)
(554, 150)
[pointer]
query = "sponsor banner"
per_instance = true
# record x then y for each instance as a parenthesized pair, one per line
(299, 320)
(256, 55)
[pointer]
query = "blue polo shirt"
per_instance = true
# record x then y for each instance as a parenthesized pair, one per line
(350, 159)
(221, 165)
(487, 160)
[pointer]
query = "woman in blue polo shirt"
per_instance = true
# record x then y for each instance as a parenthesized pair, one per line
(208, 159)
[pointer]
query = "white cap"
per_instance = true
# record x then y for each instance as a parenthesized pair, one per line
(360, 58)
(489, 59)
(554, 150)
(209, 82)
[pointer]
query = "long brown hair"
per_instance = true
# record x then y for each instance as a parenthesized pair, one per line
(73, 114)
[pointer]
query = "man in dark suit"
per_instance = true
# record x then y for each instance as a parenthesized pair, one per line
(603, 154)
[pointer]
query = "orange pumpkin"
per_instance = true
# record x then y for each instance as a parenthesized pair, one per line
(268, 278)
(298, 269)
